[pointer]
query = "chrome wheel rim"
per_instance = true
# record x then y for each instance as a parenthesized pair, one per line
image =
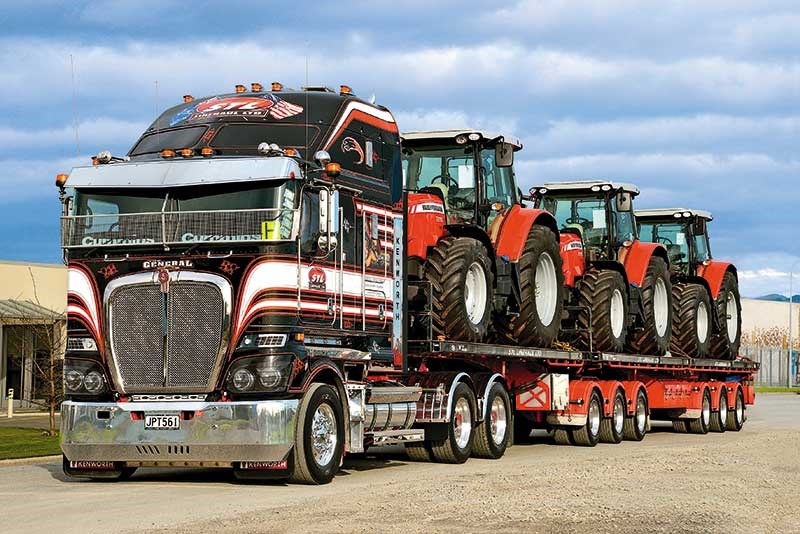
(617, 313)
(498, 422)
(475, 292)
(641, 415)
(323, 435)
(706, 411)
(732, 312)
(702, 322)
(594, 419)
(660, 307)
(723, 409)
(739, 410)
(546, 284)
(462, 423)
(619, 415)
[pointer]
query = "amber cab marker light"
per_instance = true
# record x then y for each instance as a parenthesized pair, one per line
(207, 151)
(300, 336)
(61, 180)
(167, 153)
(291, 152)
(256, 87)
(333, 169)
(277, 86)
(240, 89)
(345, 90)
(187, 152)
(188, 98)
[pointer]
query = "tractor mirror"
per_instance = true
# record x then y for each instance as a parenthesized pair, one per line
(504, 154)
(624, 202)
(699, 227)
(328, 218)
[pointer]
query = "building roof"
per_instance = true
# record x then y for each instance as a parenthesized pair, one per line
(450, 135)
(661, 213)
(588, 185)
(26, 310)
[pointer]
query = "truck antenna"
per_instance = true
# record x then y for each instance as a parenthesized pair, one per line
(74, 107)
(307, 154)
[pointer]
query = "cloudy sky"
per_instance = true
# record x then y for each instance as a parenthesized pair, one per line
(696, 102)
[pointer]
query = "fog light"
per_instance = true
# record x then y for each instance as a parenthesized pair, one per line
(93, 382)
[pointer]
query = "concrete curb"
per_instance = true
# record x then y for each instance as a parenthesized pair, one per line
(34, 460)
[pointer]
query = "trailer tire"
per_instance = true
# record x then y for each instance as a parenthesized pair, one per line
(589, 434)
(725, 344)
(611, 428)
(657, 304)
(737, 416)
(493, 435)
(635, 426)
(456, 266)
(456, 448)
(701, 424)
(603, 302)
(320, 407)
(541, 281)
(419, 451)
(680, 426)
(562, 436)
(720, 417)
(691, 320)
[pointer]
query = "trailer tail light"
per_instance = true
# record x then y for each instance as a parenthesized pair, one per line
(167, 153)
(206, 151)
(187, 152)
(277, 86)
(240, 88)
(61, 180)
(188, 98)
(256, 87)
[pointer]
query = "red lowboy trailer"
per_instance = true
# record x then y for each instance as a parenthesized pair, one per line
(241, 296)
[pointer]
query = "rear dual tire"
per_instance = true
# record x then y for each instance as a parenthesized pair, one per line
(456, 448)
(611, 428)
(635, 426)
(493, 435)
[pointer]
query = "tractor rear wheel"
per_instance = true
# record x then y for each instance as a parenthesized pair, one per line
(691, 320)
(725, 343)
(460, 275)
(657, 304)
(541, 283)
(603, 302)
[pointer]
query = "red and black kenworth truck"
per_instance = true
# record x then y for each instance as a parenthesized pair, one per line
(269, 280)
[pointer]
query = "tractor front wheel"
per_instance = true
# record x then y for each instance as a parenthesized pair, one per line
(691, 320)
(603, 315)
(725, 343)
(657, 304)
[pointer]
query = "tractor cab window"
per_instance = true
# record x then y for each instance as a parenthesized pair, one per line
(585, 217)
(672, 236)
(448, 172)
(702, 250)
(499, 180)
(625, 225)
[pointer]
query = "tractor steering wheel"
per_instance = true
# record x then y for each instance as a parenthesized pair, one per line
(664, 241)
(446, 180)
(578, 220)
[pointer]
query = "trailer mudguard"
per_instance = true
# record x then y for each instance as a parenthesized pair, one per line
(426, 221)
(636, 259)
(579, 393)
(631, 389)
(510, 235)
(608, 388)
(713, 272)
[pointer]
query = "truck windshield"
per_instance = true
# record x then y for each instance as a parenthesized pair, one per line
(671, 235)
(208, 214)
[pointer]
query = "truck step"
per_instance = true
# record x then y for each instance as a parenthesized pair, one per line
(388, 437)
(390, 394)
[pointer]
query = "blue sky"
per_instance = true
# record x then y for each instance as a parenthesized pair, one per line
(696, 102)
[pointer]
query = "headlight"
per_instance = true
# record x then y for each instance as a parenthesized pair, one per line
(261, 374)
(83, 377)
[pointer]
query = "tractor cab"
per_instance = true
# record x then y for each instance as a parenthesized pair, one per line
(682, 231)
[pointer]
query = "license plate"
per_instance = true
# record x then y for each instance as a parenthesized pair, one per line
(162, 422)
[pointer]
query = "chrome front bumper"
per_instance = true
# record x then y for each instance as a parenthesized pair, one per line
(218, 433)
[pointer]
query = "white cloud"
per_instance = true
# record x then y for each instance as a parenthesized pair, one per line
(102, 131)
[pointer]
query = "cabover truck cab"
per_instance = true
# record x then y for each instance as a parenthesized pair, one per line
(620, 290)
(705, 292)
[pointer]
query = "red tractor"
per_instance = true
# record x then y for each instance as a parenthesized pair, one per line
(706, 312)
(487, 263)
(621, 294)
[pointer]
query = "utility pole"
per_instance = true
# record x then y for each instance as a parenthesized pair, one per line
(791, 324)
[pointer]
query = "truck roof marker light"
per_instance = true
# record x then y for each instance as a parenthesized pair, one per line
(256, 87)
(474, 136)
(606, 187)
(461, 139)
(333, 169)
(187, 152)
(240, 88)
(167, 153)
(595, 188)
(345, 90)
(188, 98)
(291, 152)
(277, 86)
(206, 151)
(61, 180)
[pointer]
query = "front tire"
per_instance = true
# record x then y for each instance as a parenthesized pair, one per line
(691, 320)
(603, 302)
(725, 343)
(657, 304)
(456, 448)
(461, 283)
(319, 436)
(541, 283)
(493, 435)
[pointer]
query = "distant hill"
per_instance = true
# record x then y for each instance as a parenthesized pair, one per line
(775, 297)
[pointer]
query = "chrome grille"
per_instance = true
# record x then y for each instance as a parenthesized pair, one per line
(171, 342)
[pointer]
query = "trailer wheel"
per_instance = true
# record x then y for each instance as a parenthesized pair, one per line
(681, 426)
(657, 304)
(319, 436)
(603, 310)
(561, 436)
(107, 475)
(461, 280)
(725, 343)
(737, 416)
(589, 434)
(635, 427)
(720, 417)
(541, 283)
(611, 428)
(458, 445)
(691, 320)
(701, 424)
(494, 434)
(419, 451)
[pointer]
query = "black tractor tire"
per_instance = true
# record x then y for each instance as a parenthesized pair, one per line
(648, 340)
(528, 329)
(719, 419)
(448, 450)
(634, 428)
(305, 468)
(702, 424)
(595, 291)
(589, 434)
(609, 431)
(446, 270)
(721, 344)
(688, 302)
(738, 415)
(487, 444)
